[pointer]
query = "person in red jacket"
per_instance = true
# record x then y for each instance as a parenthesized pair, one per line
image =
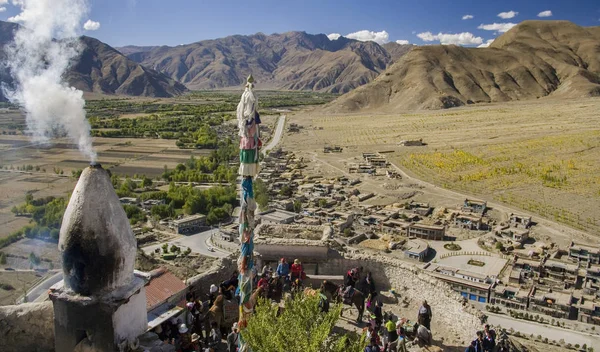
(297, 270)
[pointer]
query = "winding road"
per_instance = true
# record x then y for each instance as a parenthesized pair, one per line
(198, 243)
(276, 137)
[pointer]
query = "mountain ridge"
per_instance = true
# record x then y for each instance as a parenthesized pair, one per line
(532, 60)
(101, 69)
(291, 60)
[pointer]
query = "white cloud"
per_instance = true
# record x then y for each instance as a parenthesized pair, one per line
(500, 27)
(2, 9)
(486, 44)
(91, 25)
(402, 42)
(468, 17)
(365, 36)
(464, 38)
(546, 13)
(507, 15)
(3, 2)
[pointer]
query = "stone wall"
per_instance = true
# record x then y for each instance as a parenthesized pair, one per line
(220, 271)
(27, 327)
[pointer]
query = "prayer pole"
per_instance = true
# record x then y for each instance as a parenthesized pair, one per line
(248, 121)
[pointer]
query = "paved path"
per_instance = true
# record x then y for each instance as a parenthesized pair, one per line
(42, 288)
(198, 243)
(277, 136)
(552, 333)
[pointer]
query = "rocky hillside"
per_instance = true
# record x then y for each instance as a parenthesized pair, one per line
(102, 69)
(532, 60)
(294, 60)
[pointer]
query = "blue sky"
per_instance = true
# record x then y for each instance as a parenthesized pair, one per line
(159, 22)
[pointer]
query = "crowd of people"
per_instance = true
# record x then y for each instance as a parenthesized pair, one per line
(487, 341)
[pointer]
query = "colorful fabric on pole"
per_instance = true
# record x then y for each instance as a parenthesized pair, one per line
(248, 121)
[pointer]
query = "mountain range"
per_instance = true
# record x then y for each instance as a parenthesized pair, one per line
(293, 60)
(532, 60)
(102, 69)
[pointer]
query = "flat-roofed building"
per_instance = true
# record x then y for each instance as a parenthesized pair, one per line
(510, 297)
(555, 304)
(563, 274)
(589, 310)
(529, 268)
(395, 227)
(474, 206)
(584, 253)
(277, 216)
(416, 249)
(427, 232)
(469, 222)
(472, 286)
(522, 221)
(189, 224)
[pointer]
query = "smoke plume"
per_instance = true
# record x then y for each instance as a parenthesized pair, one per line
(44, 47)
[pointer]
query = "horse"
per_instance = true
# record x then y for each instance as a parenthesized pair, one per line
(215, 314)
(334, 291)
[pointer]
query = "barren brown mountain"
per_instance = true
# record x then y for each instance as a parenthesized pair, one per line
(101, 69)
(293, 60)
(532, 60)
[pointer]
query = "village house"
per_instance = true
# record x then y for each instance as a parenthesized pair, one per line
(469, 222)
(395, 227)
(562, 274)
(423, 209)
(427, 232)
(554, 304)
(530, 268)
(473, 286)
(129, 200)
(277, 216)
(584, 253)
(416, 249)
(165, 296)
(474, 206)
(589, 311)
(520, 221)
(510, 297)
(189, 224)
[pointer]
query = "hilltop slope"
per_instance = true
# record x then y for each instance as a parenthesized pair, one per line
(532, 60)
(102, 69)
(293, 60)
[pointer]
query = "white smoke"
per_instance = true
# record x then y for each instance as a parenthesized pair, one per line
(43, 49)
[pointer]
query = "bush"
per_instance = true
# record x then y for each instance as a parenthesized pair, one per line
(306, 328)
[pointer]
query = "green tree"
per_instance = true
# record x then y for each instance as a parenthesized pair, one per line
(499, 246)
(76, 173)
(286, 191)
(34, 259)
(306, 328)
(261, 194)
(165, 248)
(146, 182)
(2, 258)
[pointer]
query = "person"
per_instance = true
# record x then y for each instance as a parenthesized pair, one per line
(297, 270)
(378, 312)
(472, 347)
(185, 339)
(214, 338)
(264, 283)
(478, 342)
(424, 317)
(212, 295)
(372, 347)
(266, 270)
(486, 329)
(349, 282)
(229, 286)
(489, 342)
(232, 338)
(368, 285)
(283, 269)
(392, 334)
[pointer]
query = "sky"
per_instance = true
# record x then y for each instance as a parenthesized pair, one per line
(461, 22)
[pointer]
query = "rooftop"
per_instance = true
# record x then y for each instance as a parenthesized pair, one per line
(189, 219)
(162, 286)
(416, 246)
(277, 215)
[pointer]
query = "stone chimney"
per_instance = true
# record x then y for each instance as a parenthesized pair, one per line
(100, 304)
